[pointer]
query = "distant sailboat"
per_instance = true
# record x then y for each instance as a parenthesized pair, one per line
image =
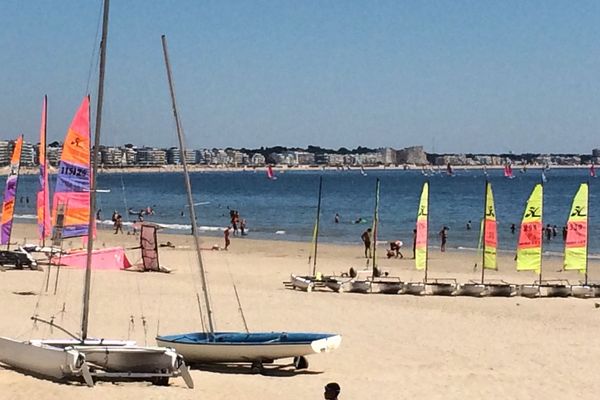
(362, 171)
(449, 170)
(592, 171)
(508, 172)
(270, 174)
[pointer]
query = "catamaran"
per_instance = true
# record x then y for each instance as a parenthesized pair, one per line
(81, 356)
(576, 243)
(12, 258)
(433, 286)
(234, 347)
(489, 239)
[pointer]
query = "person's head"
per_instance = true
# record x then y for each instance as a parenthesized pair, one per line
(332, 391)
(369, 230)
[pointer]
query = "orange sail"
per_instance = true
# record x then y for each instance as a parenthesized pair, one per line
(43, 195)
(10, 193)
(73, 179)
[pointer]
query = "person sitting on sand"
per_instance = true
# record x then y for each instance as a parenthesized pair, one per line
(332, 391)
(394, 250)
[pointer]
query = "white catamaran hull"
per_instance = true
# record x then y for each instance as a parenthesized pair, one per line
(529, 291)
(472, 289)
(214, 352)
(302, 283)
(582, 291)
(47, 361)
(386, 287)
(441, 289)
(414, 288)
(359, 286)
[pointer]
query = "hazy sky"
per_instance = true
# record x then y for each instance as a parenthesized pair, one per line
(454, 76)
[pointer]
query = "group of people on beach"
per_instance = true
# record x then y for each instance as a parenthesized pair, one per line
(237, 226)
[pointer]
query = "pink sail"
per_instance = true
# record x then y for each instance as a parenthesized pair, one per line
(593, 171)
(10, 193)
(43, 195)
(270, 173)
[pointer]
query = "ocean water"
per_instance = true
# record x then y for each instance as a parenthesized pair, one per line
(285, 208)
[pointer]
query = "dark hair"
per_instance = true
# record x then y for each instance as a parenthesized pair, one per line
(334, 387)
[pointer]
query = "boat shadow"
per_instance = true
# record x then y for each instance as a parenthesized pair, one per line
(65, 382)
(277, 370)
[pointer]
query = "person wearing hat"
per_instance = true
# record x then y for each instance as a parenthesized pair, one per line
(332, 391)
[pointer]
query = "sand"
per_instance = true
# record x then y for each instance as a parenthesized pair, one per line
(394, 346)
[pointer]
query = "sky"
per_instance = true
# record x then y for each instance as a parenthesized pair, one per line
(454, 76)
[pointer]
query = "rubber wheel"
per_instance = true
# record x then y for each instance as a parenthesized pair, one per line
(161, 381)
(300, 363)
(256, 368)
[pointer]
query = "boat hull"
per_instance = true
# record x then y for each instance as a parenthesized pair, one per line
(582, 291)
(48, 361)
(529, 291)
(441, 289)
(302, 283)
(471, 289)
(386, 287)
(359, 286)
(500, 289)
(226, 347)
(556, 291)
(414, 288)
(121, 356)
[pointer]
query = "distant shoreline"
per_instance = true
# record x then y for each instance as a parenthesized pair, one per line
(203, 168)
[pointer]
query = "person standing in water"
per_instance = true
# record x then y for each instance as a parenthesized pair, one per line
(443, 234)
(226, 235)
(336, 219)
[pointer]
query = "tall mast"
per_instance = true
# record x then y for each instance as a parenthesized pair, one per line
(94, 160)
(188, 188)
(317, 222)
(45, 177)
(587, 232)
(427, 236)
(375, 221)
(485, 205)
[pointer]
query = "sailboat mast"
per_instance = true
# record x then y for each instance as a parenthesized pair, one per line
(94, 169)
(587, 234)
(45, 177)
(427, 237)
(188, 187)
(485, 206)
(375, 222)
(317, 222)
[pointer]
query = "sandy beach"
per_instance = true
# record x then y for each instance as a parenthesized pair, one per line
(394, 346)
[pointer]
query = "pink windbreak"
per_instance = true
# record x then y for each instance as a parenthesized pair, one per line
(43, 195)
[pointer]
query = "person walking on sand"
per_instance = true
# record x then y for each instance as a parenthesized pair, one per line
(332, 391)
(226, 235)
(118, 223)
(366, 238)
(443, 234)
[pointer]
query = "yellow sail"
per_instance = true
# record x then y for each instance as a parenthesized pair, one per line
(421, 235)
(577, 232)
(529, 250)
(490, 239)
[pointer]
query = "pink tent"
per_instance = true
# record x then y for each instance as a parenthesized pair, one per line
(108, 258)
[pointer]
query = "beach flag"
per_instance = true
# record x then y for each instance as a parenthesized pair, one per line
(10, 193)
(43, 196)
(422, 221)
(529, 250)
(577, 232)
(73, 178)
(490, 237)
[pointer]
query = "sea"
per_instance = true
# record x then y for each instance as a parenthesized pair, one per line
(285, 208)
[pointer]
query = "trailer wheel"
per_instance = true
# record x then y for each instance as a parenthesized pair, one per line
(300, 363)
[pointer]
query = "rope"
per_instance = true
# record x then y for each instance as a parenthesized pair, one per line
(95, 49)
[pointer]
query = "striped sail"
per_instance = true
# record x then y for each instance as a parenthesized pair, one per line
(73, 179)
(421, 238)
(529, 250)
(490, 236)
(577, 232)
(43, 195)
(10, 193)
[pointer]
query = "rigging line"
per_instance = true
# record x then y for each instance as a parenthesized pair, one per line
(95, 49)
(237, 297)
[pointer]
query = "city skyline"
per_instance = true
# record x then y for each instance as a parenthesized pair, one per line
(456, 77)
